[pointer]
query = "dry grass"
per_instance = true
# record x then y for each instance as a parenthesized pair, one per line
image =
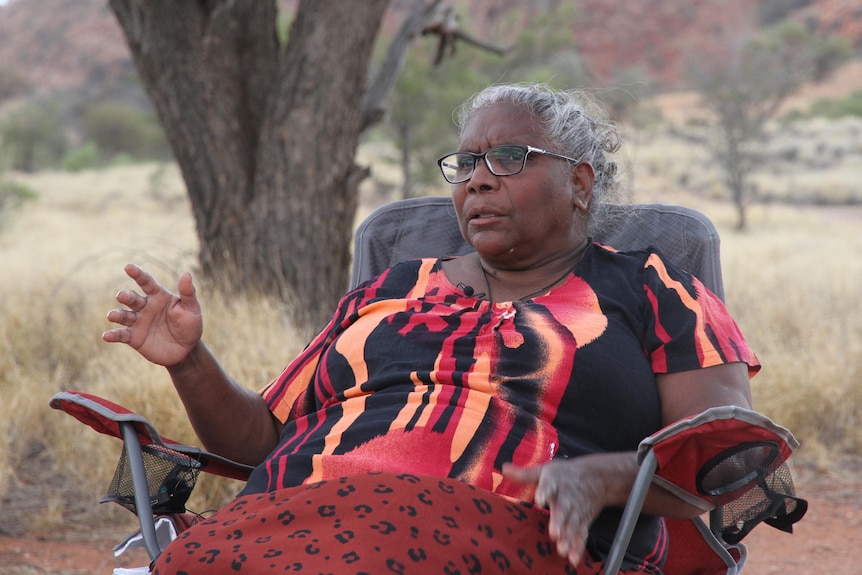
(793, 282)
(62, 262)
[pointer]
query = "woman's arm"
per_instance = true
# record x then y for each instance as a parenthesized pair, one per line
(230, 420)
(577, 490)
(166, 328)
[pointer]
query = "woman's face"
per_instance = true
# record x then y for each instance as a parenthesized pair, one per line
(523, 220)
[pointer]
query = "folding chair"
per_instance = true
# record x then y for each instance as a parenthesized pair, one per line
(155, 474)
(749, 482)
(728, 461)
(401, 230)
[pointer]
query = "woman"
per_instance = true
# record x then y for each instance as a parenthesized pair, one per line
(462, 396)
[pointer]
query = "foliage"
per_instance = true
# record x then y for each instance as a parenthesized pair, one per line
(420, 118)
(33, 137)
(743, 88)
(13, 195)
(829, 53)
(838, 108)
(82, 157)
(774, 11)
(12, 84)
(832, 108)
(116, 128)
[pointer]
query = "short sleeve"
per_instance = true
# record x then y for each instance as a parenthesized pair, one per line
(689, 326)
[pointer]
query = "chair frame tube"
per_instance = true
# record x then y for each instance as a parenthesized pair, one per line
(632, 511)
(143, 504)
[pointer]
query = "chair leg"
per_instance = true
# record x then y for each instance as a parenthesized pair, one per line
(632, 511)
(141, 489)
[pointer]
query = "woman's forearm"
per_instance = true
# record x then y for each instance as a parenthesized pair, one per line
(229, 419)
(619, 471)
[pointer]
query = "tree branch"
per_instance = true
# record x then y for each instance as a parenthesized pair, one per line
(445, 25)
(379, 89)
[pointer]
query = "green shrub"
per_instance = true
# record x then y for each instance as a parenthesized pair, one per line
(12, 83)
(838, 108)
(82, 158)
(33, 136)
(119, 129)
(12, 195)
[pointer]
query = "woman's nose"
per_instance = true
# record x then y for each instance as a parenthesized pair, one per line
(481, 179)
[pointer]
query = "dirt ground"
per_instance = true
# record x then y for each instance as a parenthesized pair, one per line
(823, 542)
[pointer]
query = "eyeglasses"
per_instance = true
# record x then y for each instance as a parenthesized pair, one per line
(506, 160)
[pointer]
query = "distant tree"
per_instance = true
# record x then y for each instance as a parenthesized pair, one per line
(30, 136)
(774, 11)
(744, 87)
(12, 83)
(118, 128)
(420, 120)
(265, 134)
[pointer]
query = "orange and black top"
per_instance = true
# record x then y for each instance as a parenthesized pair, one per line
(411, 375)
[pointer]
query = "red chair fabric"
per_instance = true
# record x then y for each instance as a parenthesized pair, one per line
(105, 416)
(728, 461)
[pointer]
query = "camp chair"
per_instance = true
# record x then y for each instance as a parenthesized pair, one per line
(401, 231)
(155, 474)
(728, 461)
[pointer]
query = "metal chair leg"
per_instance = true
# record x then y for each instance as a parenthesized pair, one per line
(632, 511)
(143, 505)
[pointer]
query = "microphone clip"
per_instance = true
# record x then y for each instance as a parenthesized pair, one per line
(469, 291)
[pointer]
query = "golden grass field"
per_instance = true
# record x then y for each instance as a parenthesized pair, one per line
(793, 281)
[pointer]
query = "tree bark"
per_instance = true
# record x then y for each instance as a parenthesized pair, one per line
(265, 136)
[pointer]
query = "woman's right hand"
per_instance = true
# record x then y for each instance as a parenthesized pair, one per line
(162, 326)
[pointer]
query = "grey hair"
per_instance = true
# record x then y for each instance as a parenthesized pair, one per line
(571, 120)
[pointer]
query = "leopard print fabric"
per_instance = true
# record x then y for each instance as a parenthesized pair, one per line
(378, 523)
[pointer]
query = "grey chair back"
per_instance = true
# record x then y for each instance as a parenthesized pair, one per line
(427, 227)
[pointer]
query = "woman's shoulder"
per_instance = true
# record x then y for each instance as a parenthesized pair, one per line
(638, 257)
(634, 268)
(402, 275)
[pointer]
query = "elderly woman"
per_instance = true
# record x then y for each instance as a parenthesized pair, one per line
(466, 414)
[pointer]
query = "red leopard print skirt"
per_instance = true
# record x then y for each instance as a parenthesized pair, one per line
(371, 524)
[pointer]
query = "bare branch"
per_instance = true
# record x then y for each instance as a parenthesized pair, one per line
(427, 17)
(445, 25)
(384, 81)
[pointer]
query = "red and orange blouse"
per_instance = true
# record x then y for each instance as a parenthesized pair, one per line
(411, 375)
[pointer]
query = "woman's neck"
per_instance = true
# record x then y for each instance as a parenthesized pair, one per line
(507, 284)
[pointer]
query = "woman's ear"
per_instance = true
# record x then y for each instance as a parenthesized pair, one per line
(583, 177)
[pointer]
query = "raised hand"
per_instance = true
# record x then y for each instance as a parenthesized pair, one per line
(162, 326)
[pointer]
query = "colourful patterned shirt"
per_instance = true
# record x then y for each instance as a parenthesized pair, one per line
(411, 375)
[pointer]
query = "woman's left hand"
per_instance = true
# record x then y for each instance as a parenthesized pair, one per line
(575, 491)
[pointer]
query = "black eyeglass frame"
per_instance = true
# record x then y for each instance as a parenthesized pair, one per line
(484, 156)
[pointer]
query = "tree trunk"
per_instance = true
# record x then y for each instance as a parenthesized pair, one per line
(304, 218)
(265, 137)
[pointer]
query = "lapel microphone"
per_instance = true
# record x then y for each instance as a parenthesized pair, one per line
(468, 290)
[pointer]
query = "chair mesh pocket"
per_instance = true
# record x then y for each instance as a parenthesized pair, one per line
(171, 476)
(747, 485)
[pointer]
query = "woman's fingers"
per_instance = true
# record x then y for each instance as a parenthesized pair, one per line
(131, 299)
(123, 317)
(569, 529)
(568, 496)
(188, 297)
(145, 281)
